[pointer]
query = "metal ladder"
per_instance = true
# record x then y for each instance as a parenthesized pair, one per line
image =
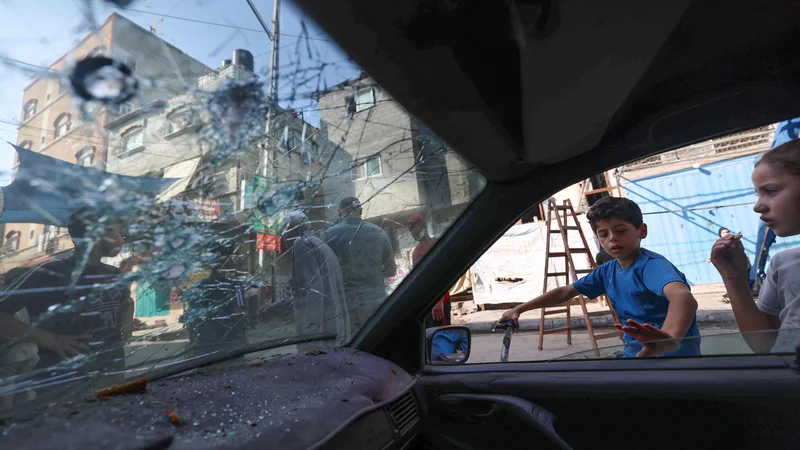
(570, 274)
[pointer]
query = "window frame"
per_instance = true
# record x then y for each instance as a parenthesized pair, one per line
(29, 109)
(126, 137)
(87, 151)
(13, 236)
(59, 122)
(176, 112)
(352, 105)
(362, 163)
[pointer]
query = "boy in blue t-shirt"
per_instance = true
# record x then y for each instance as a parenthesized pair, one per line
(651, 296)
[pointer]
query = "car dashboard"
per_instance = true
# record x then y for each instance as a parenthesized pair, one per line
(335, 400)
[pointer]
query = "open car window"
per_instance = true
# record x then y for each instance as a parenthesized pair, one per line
(186, 186)
(687, 199)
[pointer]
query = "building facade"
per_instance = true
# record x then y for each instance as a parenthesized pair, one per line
(51, 121)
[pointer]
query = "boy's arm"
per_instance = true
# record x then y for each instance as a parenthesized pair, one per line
(681, 311)
(680, 314)
(65, 346)
(550, 298)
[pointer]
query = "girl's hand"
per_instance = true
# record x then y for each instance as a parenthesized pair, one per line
(729, 258)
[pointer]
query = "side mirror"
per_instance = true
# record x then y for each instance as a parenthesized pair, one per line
(447, 346)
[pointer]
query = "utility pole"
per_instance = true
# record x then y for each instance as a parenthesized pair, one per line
(272, 98)
(271, 113)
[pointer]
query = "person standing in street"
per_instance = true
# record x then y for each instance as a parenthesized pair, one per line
(366, 258)
(418, 226)
(96, 307)
(318, 301)
(216, 314)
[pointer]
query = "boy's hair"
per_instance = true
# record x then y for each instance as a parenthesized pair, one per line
(615, 208)
(81, 222)
(786, 156)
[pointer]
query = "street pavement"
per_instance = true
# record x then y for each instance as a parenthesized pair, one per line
(719, 338)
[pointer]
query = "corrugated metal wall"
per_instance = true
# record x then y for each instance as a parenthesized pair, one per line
(684, 210)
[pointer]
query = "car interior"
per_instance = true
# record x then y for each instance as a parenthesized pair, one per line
(539, 95)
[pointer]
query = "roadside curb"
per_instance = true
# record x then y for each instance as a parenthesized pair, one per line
(703, 316)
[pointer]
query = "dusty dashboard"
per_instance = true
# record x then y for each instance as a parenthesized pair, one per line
(341, 399)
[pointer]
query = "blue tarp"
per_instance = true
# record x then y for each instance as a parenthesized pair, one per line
(786, 131)
(47, 190)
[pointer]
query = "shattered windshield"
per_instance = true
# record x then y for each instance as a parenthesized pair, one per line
(187, 182)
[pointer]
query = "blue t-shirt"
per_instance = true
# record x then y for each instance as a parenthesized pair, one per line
(637, 292)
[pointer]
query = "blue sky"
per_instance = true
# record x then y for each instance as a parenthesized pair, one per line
(40, 31)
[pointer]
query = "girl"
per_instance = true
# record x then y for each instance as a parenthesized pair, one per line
(777, 182)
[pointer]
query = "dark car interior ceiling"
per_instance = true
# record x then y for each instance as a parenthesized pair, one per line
(543, 81)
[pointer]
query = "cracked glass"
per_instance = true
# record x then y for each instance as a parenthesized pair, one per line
(181, 187)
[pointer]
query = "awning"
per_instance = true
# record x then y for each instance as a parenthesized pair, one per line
(184, 170)
(47, 190)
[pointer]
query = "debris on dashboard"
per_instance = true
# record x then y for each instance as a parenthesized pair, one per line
(174, 418)
(133, 387)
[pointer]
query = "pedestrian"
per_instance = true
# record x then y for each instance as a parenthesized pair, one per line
(776, 178)
(366, 258)
(650, 295)
(75, 300)
(21, 356)
(318, 299)
(216, 314)
(418, 227)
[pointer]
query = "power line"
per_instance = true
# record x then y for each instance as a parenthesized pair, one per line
(6, 58)
(204, 22)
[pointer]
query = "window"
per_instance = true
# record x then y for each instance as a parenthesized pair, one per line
(292, 141)
(32, 234)
(361, 100)
(371, 167)
(85, 157)
(124, 108)
(315, 151)
(26, 145)
(12, 240)
(43, 139)
(179, 119)
(29, 110)
(63, 124)
(48, 97)
(132, 141)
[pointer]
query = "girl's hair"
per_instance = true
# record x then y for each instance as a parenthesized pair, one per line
(719, 232)
(786, 156)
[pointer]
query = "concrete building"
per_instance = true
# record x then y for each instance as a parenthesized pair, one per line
(51, 123)
(396, 165)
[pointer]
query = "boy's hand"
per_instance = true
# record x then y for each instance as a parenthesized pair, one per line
(511, 314)
(729, 258)
(654, 341)
(65, 347)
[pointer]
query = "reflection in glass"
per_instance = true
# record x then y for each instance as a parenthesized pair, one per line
(449, 345)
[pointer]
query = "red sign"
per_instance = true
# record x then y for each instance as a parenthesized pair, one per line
(268, 242)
